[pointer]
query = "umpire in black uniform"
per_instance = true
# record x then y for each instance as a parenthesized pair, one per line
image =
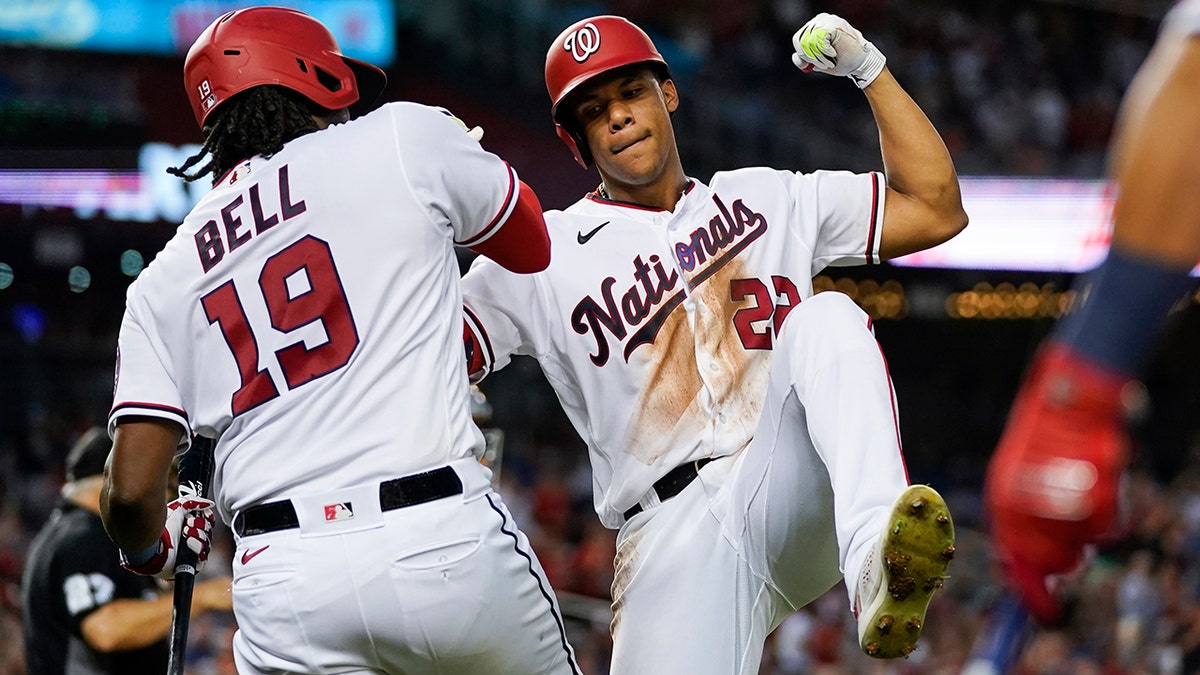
(84, 614)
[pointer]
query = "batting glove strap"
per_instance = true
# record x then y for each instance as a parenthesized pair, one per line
(830, 45)
(151, 561)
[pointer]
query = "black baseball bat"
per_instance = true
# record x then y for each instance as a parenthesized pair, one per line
(195, 478)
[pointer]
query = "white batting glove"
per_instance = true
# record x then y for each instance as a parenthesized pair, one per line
(189, 519)
(476, 133)
(829, 44)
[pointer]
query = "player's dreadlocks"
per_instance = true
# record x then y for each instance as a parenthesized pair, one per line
(257, 121)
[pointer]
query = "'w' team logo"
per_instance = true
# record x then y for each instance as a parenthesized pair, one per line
(583, 42)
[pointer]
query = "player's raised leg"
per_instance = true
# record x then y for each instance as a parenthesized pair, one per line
(895, 541)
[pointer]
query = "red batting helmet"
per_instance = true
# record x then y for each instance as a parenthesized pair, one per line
(275, 45)
(584, 50)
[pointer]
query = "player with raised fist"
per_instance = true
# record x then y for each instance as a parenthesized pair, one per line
(743, 432)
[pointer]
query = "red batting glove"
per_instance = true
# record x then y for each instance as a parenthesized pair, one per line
(189, 519)
(1051, 485)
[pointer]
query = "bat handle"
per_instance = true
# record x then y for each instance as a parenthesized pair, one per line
(195, 473)
(185, 581)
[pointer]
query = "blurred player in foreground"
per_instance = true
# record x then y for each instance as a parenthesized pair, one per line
(744, 485)
(307, 315)
(82, 613)
(1052, 482)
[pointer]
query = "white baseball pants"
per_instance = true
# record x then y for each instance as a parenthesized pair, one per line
(446, 587)
(703, 578)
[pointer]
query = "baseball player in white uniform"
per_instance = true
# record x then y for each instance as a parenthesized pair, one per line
(307, 314)
(749, 462)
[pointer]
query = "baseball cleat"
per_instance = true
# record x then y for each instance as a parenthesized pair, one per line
(916, 548)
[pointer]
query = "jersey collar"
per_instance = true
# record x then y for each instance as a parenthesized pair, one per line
(594, 196)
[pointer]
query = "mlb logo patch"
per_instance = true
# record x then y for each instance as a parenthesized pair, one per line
(339, 511)
(207, 98)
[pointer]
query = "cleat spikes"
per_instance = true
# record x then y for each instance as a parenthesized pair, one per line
(905, 571)
(902, 587)
(896, 562)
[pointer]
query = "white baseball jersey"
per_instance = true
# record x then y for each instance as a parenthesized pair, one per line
(655, 328)
(1184, 17)
(308, 310)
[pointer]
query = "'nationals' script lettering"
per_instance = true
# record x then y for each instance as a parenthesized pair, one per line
(641, 309)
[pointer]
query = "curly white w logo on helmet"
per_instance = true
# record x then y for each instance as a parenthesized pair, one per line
(583, 42)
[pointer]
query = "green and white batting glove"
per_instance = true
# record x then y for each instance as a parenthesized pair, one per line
(476, 133)
(829, 44)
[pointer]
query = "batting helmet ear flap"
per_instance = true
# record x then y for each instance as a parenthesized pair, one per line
(371, 82)
(577, 143)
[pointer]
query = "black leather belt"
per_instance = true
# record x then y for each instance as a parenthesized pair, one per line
(393, 494)
(673, 483)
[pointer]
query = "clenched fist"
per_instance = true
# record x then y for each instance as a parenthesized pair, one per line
(830, 45)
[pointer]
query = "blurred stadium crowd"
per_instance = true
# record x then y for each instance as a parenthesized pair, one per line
(1016, 88)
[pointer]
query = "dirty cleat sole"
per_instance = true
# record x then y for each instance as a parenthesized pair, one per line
(915, 551)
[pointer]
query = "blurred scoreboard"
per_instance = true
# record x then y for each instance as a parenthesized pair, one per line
(365, 29)
(1028, 224)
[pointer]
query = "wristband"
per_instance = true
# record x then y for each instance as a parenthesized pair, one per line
(141, 557)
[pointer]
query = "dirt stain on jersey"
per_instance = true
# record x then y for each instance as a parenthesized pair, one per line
(670, 406)
(739, 380)
(669, 389)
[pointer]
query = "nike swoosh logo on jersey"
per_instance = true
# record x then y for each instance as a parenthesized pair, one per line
(584, 238)
(249, 555)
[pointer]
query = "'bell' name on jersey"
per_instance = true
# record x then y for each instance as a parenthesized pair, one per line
(212, 247)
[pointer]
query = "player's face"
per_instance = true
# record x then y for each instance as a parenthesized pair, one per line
(626, 121)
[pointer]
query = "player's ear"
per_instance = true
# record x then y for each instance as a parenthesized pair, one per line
(670, 95)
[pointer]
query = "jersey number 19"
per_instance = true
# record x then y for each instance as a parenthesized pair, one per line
(324, 301)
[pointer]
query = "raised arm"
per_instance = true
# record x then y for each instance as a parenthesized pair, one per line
(923, 207)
